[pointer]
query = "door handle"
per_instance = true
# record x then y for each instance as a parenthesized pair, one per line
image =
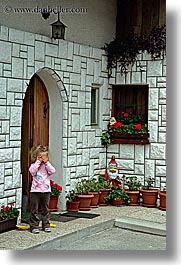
(45, 109)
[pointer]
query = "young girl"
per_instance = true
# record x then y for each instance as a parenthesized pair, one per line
(41, 170)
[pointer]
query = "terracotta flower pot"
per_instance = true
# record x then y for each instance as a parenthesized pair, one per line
(117, 202)
(149, 197)
(85, 201)
(53, 203)
(162, 195)
(102, 196)
(134, 197)
(95, 199)
(73, 206)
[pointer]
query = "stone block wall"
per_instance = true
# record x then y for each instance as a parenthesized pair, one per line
(146, 160)
(75, 68)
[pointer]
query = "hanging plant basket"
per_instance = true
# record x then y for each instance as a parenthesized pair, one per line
(7, 225)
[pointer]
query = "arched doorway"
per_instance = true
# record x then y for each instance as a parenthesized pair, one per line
(35, 129)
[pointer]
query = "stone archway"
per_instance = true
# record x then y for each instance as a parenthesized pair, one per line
(58, 103)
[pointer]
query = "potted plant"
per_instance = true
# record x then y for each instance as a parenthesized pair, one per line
(162, 195)
(8, 217)
(83, 196)
(117, 196)
(149, 193)
(72, 203)
(93, 187)
(132, 186)
(55, 192)
(105, 188)
(129, 127)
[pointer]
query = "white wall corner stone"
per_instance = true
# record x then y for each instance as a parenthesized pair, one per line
(154, 68)
(126, 164)
(5, 56)
(126, 151)
(149, 168)
(158, 151)
(139, 154)
(153, 131)
(160, 170)
(139, 169)
(153, 98)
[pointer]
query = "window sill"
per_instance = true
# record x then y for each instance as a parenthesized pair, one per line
(125, 138)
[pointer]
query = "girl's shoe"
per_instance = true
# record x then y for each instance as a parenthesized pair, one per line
(35, 231)
(47, 229)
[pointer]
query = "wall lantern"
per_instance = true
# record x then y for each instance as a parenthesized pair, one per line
(58, 29)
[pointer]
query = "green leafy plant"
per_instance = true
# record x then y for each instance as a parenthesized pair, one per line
(55, 188)
(149, 184)
(104, 183)
(131, 182)
(105, 139)
(8, 212)
(93, 185)
(131, 124)
(124, 53)
(87, 185)
(71, 196)
(81, 186)
(117, 194)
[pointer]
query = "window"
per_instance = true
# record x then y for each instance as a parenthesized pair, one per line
(94, 105)
(131, 99)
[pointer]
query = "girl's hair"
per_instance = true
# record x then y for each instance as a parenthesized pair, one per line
(35, 150)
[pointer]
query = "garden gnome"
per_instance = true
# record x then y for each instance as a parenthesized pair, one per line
(112, 122)
(112, 172)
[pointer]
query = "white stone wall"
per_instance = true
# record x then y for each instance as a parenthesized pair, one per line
(75, 68)
(146, 160)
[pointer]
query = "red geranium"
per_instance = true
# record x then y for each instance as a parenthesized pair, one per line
(8, 212)
(5, 209)
(138, 126)
(55, 188)
(126, 115)
(117, 124)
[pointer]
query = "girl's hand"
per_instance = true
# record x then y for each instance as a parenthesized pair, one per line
(40, 158)
(45, 159)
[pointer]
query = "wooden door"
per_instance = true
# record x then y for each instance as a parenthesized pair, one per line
(35, 128)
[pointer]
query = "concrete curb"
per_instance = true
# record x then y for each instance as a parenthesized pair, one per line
(124, 223)
(73, 236)
(141, 226)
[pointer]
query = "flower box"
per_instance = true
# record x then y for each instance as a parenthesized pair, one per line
(126, 138)
(7, 225)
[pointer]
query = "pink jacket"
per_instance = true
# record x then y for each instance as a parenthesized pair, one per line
(41, 173)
